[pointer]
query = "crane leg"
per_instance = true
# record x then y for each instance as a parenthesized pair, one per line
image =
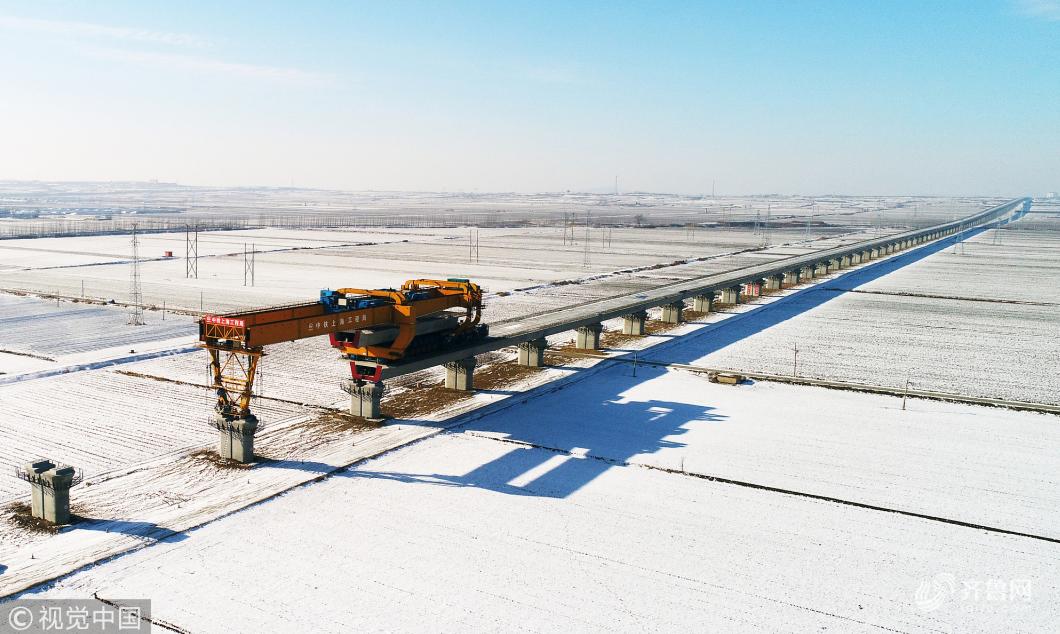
(233, 375)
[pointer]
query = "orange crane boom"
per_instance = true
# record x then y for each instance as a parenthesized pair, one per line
(236, 341)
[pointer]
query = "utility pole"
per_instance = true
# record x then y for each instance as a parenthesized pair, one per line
(905, 394)
(136, 296)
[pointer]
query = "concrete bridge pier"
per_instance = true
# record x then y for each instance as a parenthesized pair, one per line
(235, 437)
(819, 269)
(774, 282)
(460, 374)
(844, 262)
(866, 255)
(673, 313)
(833, 265)
(532, 353)
(633, 323)
(875, 253)
(589, 337)
(365, 398)
(49, 490)
(731, 295)
(791, 278)
(807, 272)
(703, 303)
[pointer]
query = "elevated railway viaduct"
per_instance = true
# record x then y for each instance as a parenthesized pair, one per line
(730, 287)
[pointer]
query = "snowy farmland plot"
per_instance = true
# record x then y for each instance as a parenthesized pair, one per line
(643, 497)
(968, 321)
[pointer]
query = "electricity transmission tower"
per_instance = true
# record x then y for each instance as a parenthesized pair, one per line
(248, 264)
(472, 245)
(767, 237)
(136, 296)
(587, 257)
(191, 251)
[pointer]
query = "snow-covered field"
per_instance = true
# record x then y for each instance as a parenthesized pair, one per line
(981, 322)
(60, 329)
(539, 518)
(658, 501)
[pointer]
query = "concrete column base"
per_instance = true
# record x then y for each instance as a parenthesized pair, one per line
(703, 303)
(49, 490)
(820, 269)
(633, 323)
(673, 313)
(589, 337)
(875, 253)
(806, 273)
(731, 295)
(460, 375)
(532, 353)
(774, 282)
(791, 278)
(235, 437)
(844, 262)
(365, 398)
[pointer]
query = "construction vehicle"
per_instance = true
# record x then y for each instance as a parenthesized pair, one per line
(370, 328)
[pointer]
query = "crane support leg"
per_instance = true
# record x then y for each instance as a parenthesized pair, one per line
(232, 373)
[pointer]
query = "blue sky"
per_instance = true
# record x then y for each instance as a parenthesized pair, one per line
(789, 97)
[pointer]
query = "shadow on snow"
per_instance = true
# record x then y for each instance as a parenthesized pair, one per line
(551, 459)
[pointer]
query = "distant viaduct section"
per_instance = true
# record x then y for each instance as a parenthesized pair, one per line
(530, 333)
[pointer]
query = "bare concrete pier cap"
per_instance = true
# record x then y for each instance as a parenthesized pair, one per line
(50, 490)
(235, 437)
(365, 398)
(460, 374)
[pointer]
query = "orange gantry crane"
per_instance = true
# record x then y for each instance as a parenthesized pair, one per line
(369, 328)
